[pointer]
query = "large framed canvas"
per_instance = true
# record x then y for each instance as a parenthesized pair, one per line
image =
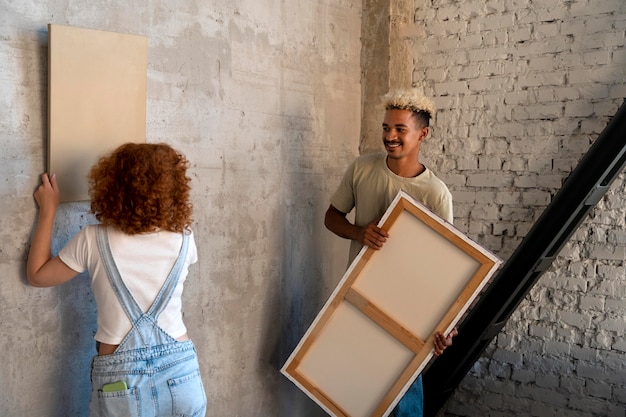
(97, 100)
(375, 333)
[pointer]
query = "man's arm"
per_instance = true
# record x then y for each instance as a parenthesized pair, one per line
(370, 235)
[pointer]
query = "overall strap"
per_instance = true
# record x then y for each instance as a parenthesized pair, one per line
(167, 290)
(126, 299)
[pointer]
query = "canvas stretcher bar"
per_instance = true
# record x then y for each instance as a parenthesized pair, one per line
(375, 333)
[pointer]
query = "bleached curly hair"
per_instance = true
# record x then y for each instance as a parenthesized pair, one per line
(410, 99)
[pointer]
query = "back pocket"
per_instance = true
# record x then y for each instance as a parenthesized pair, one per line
(119, 403)
(188, 397)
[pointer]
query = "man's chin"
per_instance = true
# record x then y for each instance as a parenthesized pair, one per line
(393, 154)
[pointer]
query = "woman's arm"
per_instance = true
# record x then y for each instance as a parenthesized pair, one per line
(41, 269)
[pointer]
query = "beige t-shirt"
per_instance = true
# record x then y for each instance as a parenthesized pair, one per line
(369, 187)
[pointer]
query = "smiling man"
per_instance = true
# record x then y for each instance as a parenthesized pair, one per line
(371, 183)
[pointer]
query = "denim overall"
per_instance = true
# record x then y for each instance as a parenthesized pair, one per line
(161, 373)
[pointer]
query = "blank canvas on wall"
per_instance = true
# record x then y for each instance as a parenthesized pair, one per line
(375, 333)
(97, 100)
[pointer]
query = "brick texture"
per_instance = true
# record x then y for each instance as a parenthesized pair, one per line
(523, 88)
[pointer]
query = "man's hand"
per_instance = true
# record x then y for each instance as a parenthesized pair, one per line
(372, 236)
(442, 342)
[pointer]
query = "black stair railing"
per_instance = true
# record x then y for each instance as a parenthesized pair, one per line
(581, 191)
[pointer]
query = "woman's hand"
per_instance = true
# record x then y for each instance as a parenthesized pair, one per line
(47, 194)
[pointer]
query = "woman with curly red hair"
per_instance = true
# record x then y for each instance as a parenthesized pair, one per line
(138, 259)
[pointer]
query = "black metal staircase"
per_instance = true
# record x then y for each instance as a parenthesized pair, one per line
(581, 191)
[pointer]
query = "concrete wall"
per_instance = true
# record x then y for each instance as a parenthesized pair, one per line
(264, 98)
(523, 88)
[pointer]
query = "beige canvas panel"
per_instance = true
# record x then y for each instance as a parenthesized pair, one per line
(350, 353)
(97, 100)
(416, 283)
(375, 333)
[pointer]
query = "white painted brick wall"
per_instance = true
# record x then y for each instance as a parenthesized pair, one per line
(523, 88)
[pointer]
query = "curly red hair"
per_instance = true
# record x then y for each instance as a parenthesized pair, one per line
(141, 187)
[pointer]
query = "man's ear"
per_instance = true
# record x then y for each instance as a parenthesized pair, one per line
(425, 132)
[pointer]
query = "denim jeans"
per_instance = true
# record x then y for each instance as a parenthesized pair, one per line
(412, 404)
(162, 380)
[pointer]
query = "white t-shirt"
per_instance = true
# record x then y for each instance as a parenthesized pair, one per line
(144, 262)
(369, 186)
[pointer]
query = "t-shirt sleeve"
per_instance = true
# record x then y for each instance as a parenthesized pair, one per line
(442, 205)
(439, 199)
(192, 254)
(75, 253)
(445, 210)
(343, 198)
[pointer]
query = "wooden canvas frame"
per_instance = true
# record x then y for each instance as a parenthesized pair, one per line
(375, 334)
(97, 100)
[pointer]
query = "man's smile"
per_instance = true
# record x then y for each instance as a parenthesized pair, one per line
(392, 144)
